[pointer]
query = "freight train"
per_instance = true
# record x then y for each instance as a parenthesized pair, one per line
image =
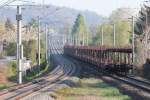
(105, 59)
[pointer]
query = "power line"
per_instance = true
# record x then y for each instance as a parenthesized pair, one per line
(7, 2)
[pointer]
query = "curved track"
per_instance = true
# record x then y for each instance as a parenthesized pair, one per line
(64, 69)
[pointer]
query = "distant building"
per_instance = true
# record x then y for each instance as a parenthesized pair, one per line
(26, 65)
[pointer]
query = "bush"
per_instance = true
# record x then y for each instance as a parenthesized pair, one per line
(13, 67)
(12, 71)
(11, 49)
(146, 69)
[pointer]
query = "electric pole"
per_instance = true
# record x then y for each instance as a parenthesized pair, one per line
(102, 36)
(114, 35)
(77, 40)
(87, 38)
(133, 37)
(146, 34)
(19, 45)
(46, 43)
(39, 43)
(83, 42)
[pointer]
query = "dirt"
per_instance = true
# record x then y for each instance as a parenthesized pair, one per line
(83, 97)
(3, 73)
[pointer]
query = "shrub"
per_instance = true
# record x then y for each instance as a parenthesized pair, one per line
(146, 69)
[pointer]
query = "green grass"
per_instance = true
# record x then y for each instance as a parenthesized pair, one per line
(12, 71)
(34, 74)
(3, 86)
(91, 87)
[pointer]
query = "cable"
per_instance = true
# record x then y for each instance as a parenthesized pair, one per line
(7, 2)
(2, 1)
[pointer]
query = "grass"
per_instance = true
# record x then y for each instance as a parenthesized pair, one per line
(12, 71)
(90, 89)
(35, 73)
(3, 86)
(28, 77)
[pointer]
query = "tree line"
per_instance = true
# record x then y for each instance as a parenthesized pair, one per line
(83, 35)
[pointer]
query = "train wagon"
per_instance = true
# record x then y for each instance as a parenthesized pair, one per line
(106, 59)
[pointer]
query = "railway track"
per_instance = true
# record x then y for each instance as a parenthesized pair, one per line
(130, 80)
(49, 84)
(17, 87)
(59, 74)
(142, 84)
(26, 89)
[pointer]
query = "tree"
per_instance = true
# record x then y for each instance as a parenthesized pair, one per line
(79, 30)
(33, 23)
(121, 14)
(11, 49)
(9, 25)
(30, 50)
(142, 30)
(2, 30)
(122, 34)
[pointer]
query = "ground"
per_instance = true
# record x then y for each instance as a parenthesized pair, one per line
(5, 73)
(90, 89)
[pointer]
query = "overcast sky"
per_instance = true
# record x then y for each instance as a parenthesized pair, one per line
(102, 7)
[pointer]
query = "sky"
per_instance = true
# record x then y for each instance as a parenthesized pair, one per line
(102, 7)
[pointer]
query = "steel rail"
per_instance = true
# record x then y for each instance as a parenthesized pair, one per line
(50, 85)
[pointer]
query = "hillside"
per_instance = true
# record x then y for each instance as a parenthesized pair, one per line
(57, 17)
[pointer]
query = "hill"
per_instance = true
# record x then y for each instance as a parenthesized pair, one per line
(57, 17)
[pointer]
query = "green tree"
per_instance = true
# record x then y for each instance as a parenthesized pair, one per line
(33, 23)
(120, 19)
(79, 30)
(107, 35)
(30, 50)
(11, 49)
(122, 33)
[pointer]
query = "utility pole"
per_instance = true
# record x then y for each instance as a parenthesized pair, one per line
(72, 38)
(39, 43)
(133, 37)
(77, 40)
(102, 36)
(19, 44)
(83, 42)
(114, 35)
(146, 22)
(46, 43)
(87, 37)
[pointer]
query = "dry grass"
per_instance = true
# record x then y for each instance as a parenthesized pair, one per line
(5, 73)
